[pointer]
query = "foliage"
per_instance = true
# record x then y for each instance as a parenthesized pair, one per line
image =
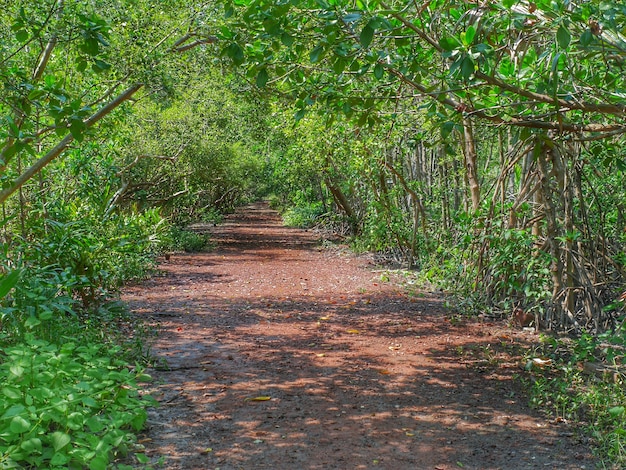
(578, 388)
(67, 405)
(177, 239)
(302, 217)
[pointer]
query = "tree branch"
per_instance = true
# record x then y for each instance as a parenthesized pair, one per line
(64, 143)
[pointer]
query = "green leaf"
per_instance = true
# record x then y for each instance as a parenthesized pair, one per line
(60, 440)
(32, 445)
(449, 44)
(19, 425)
(16, 370)
(467, 67)
(94, 423)
(563, 37)
(287, 40)
(22, 35)
(8, 282)
(99, 66)
(586, 38)
(13, 411)
(367, 34)
(81, 66)
(379, 71)
(352, 17)
(315, 54)
(261, 78)
(77, 128)
(617, 411)
(142, 458)
(99, 463)
(32, 322)
(235, 52)
(468, 36)
(339, 65)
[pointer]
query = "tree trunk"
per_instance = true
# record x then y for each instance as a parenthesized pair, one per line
(471, 157)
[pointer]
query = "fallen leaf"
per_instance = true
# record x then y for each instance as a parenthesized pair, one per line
(395, 348)
(353, 332)
(324, 318)
(208, 450)
(321, 355)
(261, 398)
(384, 372)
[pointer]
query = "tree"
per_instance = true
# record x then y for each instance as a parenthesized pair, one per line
(67, 65)
(548, 72)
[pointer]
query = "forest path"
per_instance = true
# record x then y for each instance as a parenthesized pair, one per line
(360, 374)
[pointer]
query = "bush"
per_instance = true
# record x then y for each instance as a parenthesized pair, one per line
(303, 216)
(178, 239)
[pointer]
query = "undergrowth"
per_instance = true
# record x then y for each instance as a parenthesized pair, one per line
(72, 359)
(583, 381)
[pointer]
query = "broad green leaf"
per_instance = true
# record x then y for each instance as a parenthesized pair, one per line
(16, 370)
(467, 67)
(287, 40)
(468, 36)
(142, 458)
(299, 114)
(235, 52)
(449, 44)
(19, 425)
(99, 66)
(563, 37)
(32, 445)
(13, 411)
(261, 78)
(586, 38)
(352, 17)
(379, 71)
(315, 54)
(617, 411)
(60, 440)
(367, 34)
(32, 322)
(8, 282)
(99, 463)
(81, 65)
(22, 35)
(77, 127)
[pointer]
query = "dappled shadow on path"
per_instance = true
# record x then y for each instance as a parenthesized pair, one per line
(358, 374)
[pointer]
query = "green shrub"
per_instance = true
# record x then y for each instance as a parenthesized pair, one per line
(303, 216)
(178, 239)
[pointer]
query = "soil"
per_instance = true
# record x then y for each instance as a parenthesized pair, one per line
(279, 351)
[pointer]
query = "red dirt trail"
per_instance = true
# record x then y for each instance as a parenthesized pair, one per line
(278, 353)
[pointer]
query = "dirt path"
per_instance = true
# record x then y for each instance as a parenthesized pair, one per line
(360, 375)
